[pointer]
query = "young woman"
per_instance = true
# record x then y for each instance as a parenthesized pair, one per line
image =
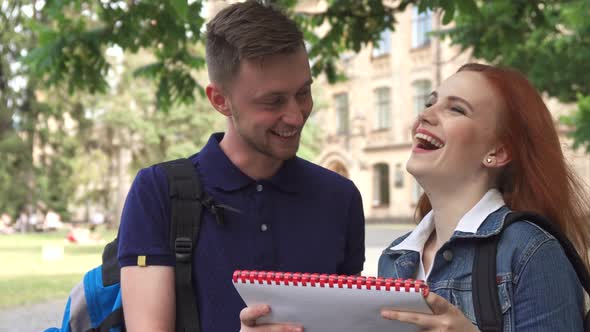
(485, 145)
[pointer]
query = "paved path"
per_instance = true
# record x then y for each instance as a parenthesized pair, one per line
(38, 317)
(32, 318)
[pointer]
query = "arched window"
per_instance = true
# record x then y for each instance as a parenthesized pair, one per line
(381, 184)
(337, 167)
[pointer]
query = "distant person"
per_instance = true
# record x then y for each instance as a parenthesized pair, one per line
(6, 224)
(22, 222)
(97, 218)
(79, 234)
(52, 221)
(295, 215)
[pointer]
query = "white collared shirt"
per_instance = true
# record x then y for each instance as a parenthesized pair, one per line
(469, 223)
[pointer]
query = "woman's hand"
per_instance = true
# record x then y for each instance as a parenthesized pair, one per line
(445, 318)
(249, 315)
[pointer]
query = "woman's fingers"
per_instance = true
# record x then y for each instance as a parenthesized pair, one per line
(445, 316)
(425, 321)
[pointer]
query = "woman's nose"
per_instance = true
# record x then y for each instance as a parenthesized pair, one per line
(427, 116)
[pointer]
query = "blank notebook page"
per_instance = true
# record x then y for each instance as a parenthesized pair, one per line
(326, 303)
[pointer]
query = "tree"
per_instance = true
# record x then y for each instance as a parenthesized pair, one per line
(549, 41)
(72, 42)
(25, 121)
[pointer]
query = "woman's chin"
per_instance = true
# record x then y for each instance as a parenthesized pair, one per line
(418, 169)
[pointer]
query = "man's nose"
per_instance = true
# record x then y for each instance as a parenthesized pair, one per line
(293, 114)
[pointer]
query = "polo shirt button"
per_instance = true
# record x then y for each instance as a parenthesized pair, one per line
(448, 255)
(259, 187)
(264, 227)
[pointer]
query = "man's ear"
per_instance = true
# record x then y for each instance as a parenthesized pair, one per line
(497, 157)
(218, 99)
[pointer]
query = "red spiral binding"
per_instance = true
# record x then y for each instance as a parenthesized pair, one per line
(330, 281)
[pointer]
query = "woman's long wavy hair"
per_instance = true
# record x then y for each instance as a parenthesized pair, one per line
(538, 178)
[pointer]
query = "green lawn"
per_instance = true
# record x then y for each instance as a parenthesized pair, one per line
(27, 277)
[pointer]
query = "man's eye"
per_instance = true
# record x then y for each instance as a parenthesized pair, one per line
(304, 93)
(273, 102)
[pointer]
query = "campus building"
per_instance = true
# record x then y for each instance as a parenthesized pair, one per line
(368, 120)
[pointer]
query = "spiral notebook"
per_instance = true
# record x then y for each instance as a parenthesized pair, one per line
(322, 302)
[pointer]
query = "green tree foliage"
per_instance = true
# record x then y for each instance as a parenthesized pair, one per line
(73, 40)
(65, 46)
(549, 41)
(25, 121)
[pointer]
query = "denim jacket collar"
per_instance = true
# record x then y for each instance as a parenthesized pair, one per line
(491, 225)
(407, 261)
(469, 223)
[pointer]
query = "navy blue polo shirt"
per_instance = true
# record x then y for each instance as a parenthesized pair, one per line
(303, 219)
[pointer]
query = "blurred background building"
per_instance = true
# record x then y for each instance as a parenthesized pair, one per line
(369, 116)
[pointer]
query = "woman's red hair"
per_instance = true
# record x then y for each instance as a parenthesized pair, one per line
(538, 178)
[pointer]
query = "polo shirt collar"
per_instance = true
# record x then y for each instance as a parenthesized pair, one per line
(469, 223)
(288, 178)
(223, 174)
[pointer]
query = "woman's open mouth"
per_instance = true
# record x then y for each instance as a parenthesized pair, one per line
(427, 142)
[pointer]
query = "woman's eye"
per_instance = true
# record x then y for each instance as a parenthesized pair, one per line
(428, 104)
(458, 110)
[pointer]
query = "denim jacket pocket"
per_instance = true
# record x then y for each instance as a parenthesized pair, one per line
(463, 299)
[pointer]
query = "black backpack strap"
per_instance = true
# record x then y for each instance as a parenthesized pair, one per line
(486, 303)
(485, 294)
(186, 194)
(111, 274)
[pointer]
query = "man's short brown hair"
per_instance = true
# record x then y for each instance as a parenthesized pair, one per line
(248, 30)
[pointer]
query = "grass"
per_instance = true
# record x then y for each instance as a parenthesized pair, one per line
(26, 277)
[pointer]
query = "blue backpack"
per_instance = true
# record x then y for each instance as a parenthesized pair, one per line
(94, 305)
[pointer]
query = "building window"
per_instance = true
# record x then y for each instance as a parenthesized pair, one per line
(382, 108)
(421, 26)
(416, 192)
(381, 184)
(422, 90)
(341, 105)
(398, 181)
(382, 47)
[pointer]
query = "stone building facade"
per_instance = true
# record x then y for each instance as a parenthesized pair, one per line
(369, 116)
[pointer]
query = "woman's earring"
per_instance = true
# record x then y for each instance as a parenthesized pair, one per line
(489, 160)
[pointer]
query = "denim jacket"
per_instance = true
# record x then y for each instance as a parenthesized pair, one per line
(537, 286)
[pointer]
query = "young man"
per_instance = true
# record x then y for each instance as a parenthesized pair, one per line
(294, 215)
